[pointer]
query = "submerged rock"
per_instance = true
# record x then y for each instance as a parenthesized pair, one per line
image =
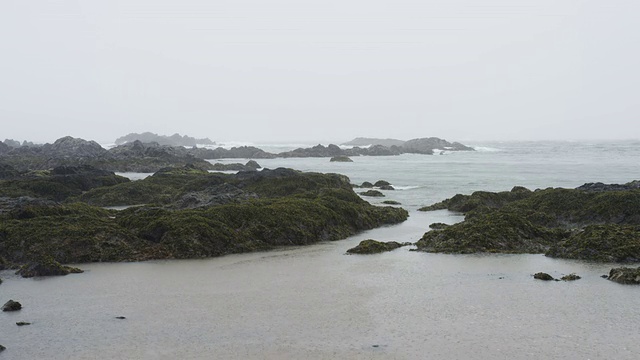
(372, 193)
(387, 187)
(23, 323)
(391, 202)
(625, 275)
(570, 277)
(543, 276)
(11, 306)
(373, 247)
(341, 158)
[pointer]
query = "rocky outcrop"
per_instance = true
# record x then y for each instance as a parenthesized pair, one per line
(11, 306)
(625, 275)
(543, 276)
(58, 184)
(566, 223)
(173, 140)
(600, 187)
(251, 165)
(428, 145)
(374, 247)
(69, 151)
(45, 266)
(194, 214)
(341, 158)
(372, 193)
(605, 243)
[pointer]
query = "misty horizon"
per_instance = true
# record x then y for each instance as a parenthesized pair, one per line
(325, 71)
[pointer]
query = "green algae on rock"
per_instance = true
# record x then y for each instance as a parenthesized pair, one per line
(374, 247)
(285, 207)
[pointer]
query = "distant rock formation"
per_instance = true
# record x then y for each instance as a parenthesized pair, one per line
(341, 158)
(362, 141)
(173, 140)
(413, 146)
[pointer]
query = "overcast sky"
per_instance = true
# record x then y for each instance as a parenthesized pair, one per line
(285, 70)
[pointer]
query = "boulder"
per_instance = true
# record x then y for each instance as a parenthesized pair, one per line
(373, 247)
(625, 275)
(2, 348)
(387, 187)
(381, 183)
(11, 306)
(372, 193)
(366, 185)
(543, 276)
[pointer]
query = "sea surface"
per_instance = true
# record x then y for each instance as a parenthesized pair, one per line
(315, 302)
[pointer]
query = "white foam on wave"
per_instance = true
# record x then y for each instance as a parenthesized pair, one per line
(486, 149)
(407, 187)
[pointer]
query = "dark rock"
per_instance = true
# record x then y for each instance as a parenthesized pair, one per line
(120, 317)
(381, 183)
(604, 276)
(11, 306)
(387, 187)
(373, 247)
(2, 348)
(366, 185)
(543, 276)
(45, 266)
(341, 158)
(625, 275)
(570, 277)
(428, 145)
(22, 323)
(391, 202)
(372, 193)
(252, 165)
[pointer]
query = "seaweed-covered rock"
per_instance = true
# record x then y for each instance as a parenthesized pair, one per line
(46, 266)
(543, 276)
(466, 203)
(381, 183)
(606, 243)
(11, 306)
(391, 202)
(498, 232)
(438, 226)
(251, 165)
(373, 247)
(366, 185)
(193, 214)
(625, 275)
(570, 277)
(341, 158)
(372, 193)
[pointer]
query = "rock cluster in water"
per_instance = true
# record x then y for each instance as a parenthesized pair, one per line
(600, 223)
(150, 152)
(54, 217)
(625, 275)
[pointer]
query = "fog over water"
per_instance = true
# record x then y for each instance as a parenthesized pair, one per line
(331, 70)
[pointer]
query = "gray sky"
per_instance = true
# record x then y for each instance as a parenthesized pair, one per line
(283, 70)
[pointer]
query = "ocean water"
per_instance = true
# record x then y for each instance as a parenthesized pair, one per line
(315, 302)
